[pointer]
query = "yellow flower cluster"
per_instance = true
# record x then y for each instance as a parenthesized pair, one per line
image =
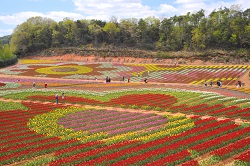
(64, 70)
(170, 131)
(37, 61)
(47, 124)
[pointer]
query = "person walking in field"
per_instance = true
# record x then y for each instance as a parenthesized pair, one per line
(63, 95)
(107, 79)
(128, 79)
(34, 84)
(239, 84)
(56, 98)
(205, 83)
(211, 83)
(220, 84)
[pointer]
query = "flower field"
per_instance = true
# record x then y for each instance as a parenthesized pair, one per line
(121, 123)
(189, 74)
(148, 126)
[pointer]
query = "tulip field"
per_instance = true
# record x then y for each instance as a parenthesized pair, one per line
(188, 74)
(121, 123)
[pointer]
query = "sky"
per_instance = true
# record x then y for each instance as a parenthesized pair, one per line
(15, 12)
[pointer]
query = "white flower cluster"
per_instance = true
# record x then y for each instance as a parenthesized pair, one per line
(10, 85)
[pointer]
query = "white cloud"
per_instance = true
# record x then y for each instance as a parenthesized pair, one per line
(4, 32)
(18, 18)
(119, 8)
(167, 9)
(188, 1)
(192, 6)
(58, 16)
(21, 17)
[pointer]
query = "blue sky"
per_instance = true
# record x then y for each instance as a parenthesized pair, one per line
(15, 12)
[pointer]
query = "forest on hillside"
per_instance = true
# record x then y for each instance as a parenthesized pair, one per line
(224, 28)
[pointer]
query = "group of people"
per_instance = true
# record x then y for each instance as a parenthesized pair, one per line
(219, 83)
(57, 97)
(210, 83)
(123, 78)
(108, 79)
(34, 85)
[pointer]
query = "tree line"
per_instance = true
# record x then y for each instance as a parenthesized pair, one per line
(6, 55)
(224, 28)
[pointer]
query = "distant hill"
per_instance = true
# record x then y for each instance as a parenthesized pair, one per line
(5, 39)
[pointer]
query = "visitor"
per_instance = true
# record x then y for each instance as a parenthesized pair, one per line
(107, 79)
(63, 95)
(128, 79)
(146, 80)
(34, 85)
(205, 83)
(45, 85)
(123, 78)
(95, 78)
(56, 98)
(239, 84)
(218, 83)
(211, 83)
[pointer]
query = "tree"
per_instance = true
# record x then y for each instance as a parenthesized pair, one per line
(128, 31)
(32, 35)
(111, 29)
(95, 30)
(81, 35)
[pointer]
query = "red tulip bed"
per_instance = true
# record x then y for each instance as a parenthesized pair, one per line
(2, 84)
(159, 102)
(143, 132)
